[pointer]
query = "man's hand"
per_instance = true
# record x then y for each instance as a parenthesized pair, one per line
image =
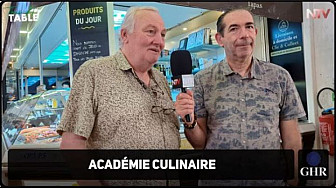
(185, 105)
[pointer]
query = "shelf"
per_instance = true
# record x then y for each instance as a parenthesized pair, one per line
(164, 58)
(194, 50)
(203, 48)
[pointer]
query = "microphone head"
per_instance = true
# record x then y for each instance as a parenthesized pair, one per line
(180, 62)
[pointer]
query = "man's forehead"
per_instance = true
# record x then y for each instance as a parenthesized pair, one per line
(148, 15)
(238, 16)
(146, 20)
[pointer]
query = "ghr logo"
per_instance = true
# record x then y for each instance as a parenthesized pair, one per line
(313, 171)
(314, 165)
(316, 13)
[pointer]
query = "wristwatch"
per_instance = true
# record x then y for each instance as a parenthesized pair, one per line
(192, 125)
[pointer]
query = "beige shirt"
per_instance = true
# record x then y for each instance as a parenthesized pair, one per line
(111, 107)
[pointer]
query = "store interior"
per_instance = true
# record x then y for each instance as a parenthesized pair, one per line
(38, 74)
(24, 77)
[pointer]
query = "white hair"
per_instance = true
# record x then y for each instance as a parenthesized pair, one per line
(129, 20)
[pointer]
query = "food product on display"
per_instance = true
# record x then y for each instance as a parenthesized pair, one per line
(42, 134)
(32, 129)
(53, 140)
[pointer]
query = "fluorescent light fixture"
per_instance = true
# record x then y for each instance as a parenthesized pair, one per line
(23, 31)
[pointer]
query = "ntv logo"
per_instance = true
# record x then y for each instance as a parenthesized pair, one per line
(316, 13)
(313, 159)
(22, 12)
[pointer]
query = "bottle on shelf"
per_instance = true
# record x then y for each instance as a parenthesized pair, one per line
(163, 70)
(160, 68)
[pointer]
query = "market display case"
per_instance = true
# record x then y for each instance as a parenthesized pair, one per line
(32, 122)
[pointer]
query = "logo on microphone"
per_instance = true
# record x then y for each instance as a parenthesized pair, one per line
(187, 80)
(313, 164)
(177, 82)
(183, 81)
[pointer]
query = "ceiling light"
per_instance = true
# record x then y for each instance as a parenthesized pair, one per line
(23, 31)
(184, 29)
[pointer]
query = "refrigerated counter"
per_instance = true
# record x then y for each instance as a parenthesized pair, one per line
(31, 123)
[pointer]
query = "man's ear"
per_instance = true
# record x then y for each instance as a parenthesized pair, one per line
(219, 38)
(124, 35)
(256, 31)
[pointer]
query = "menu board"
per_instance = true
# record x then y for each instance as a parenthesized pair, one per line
(88, 31)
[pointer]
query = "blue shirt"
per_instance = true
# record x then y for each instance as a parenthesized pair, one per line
(244, 113)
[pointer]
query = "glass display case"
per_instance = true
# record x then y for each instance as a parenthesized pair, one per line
(32, 121)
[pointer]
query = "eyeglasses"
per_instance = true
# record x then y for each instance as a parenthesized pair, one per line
(160, 103)
(166, 111)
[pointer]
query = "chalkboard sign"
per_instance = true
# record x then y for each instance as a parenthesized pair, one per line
(89, 32)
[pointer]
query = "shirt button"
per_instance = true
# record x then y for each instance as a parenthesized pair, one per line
(244, 141)
(243, 120)
(242, 100)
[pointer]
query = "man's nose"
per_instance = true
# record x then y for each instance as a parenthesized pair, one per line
(244, 33)
(159, 40)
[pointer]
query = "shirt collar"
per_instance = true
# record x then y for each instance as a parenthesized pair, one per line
(122, 62)
(226, 67)
(257, 69)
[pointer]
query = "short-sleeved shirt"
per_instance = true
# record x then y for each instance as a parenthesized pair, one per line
(113, 109)
(244, 113)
